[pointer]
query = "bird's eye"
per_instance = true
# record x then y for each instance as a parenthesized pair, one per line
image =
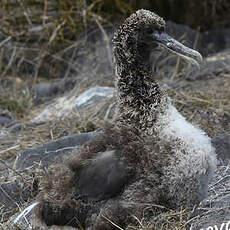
(150, 30)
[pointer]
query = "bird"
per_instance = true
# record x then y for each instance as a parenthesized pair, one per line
(149, 156)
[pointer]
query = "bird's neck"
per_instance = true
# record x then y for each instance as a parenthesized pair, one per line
(141, 102)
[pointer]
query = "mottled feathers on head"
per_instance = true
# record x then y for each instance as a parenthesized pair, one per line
(142, 19)
(146, 18)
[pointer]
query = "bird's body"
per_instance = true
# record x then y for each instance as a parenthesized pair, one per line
(150, 156)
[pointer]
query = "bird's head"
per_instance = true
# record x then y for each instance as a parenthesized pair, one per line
(144, 31)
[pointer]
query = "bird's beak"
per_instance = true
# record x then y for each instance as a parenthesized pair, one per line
(176, 47)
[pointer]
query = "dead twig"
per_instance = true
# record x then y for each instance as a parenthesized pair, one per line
(44, 13)
(13, 55)
(5, 41)
(107, 41)
(14, 171)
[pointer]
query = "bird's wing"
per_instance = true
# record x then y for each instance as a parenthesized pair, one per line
(103, 177)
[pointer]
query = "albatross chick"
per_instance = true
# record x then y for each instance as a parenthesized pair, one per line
(150, 156)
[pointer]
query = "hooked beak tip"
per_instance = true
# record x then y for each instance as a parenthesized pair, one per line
(181, 50)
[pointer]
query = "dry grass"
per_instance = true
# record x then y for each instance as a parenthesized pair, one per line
(207, 106)
(204, 106)
(34, 32)
(16, 96)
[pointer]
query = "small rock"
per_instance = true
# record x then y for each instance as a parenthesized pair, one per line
(44, 90)
(51, 151)
(5, 118)
(211, 67)
(93, 95)
(222, 145)
(63, 106)
(10, 194)
(3, 132)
